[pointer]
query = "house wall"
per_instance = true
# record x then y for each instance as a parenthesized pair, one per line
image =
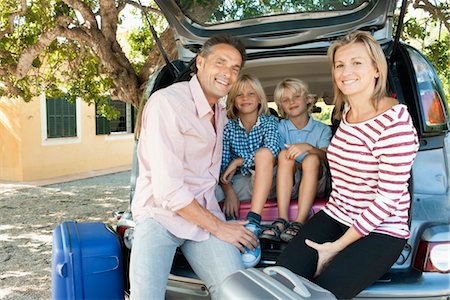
(10, 139)
(30, 156)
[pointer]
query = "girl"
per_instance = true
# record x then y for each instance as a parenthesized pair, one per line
(250, 148)
(304, 142)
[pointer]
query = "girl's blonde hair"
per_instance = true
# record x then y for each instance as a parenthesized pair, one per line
(244, 79)
(296, 86)
(378, 58)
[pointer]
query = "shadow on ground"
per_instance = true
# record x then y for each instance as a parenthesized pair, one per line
(28, 217)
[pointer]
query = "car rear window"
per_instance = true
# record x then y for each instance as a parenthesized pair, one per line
(207, 12)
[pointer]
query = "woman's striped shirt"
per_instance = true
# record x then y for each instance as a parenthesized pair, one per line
(370, 164)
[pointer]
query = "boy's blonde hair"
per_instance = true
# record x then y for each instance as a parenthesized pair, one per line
(244, 79)
(378, 58)
(296, 86)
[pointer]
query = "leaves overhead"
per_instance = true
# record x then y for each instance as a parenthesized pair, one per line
(431, 34)
(75, 48)
(79, 48)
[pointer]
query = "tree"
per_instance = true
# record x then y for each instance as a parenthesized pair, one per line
(435, 44)
(71, 47)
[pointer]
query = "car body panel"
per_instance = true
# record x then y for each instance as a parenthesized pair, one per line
(287, 48)
(281, 30)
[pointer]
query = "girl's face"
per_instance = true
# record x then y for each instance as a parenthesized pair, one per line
(293, 104)
(247, 101)
(354, 72)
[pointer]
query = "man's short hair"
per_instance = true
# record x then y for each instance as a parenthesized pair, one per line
(221, 39)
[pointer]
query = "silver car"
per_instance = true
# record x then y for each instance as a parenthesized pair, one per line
(290, 39)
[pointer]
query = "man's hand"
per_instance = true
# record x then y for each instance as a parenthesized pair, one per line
(232, 232)
(235, 233)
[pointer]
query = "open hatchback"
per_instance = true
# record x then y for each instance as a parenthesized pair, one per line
(288, 38)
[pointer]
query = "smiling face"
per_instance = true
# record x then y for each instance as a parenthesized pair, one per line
(354, 72)
(293, 104)
(218, 71)
(247, 100)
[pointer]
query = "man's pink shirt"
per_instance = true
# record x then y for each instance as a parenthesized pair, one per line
(179, 157)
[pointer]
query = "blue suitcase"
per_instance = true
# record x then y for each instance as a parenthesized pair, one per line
(86, 262)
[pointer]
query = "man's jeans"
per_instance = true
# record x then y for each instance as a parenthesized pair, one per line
(153, 252)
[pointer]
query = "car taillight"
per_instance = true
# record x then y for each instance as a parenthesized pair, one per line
(121, 230)
(433, 257)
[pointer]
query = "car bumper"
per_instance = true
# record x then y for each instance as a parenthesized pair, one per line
(427, 286)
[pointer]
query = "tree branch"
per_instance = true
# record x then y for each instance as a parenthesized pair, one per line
(29, 54)
(433, 10)
(147, 9)
(85, 11)
(109, 16)
(10, 87)
(155, 58)
(10, 22)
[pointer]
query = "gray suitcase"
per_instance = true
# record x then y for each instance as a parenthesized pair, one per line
(270, 283)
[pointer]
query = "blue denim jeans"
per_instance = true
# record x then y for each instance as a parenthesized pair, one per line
(153, 253)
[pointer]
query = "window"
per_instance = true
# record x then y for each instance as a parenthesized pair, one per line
(223, 11)
(61, 118)
(124, 124)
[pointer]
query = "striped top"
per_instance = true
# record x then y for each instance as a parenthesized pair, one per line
(370, 164)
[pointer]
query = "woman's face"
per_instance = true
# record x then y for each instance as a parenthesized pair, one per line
(247, 101)
(354, 72)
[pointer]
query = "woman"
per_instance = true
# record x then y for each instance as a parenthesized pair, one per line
(363, 228)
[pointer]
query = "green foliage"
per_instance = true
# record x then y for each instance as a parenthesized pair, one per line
(433, 40)
(66, 67)
(139, 41)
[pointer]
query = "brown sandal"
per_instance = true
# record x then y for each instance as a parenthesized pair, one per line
(273, 231)
(291, 231)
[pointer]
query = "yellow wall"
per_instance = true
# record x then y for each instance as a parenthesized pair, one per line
(42, 158)
(10, 140)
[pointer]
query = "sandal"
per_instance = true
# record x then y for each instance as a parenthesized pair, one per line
(273, 231)
(291, 231)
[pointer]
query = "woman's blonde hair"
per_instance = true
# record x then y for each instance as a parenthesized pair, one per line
(243, 80)
(296, 86)
(378, 58)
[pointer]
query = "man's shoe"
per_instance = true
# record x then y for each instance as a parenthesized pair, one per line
(251, 257)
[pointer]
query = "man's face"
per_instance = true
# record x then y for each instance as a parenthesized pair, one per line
(218, 71)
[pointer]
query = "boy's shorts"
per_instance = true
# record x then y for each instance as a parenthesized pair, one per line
(243, 186)
(323, 185)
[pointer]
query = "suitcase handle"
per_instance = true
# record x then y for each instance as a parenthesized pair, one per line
(62, 270)
(299, 287)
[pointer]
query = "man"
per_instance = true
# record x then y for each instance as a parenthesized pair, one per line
(179, 154)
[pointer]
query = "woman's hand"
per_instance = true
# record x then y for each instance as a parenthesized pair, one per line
(326, 252)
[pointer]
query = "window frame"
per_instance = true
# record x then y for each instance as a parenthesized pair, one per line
(48, 141)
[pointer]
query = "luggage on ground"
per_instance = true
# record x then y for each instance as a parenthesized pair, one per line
(86, 262)
(270, 283)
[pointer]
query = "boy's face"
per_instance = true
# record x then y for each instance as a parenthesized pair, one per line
(293, 104)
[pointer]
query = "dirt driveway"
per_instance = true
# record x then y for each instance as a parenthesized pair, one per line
(28, 217)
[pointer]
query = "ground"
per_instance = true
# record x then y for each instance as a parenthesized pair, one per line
(28, 217)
